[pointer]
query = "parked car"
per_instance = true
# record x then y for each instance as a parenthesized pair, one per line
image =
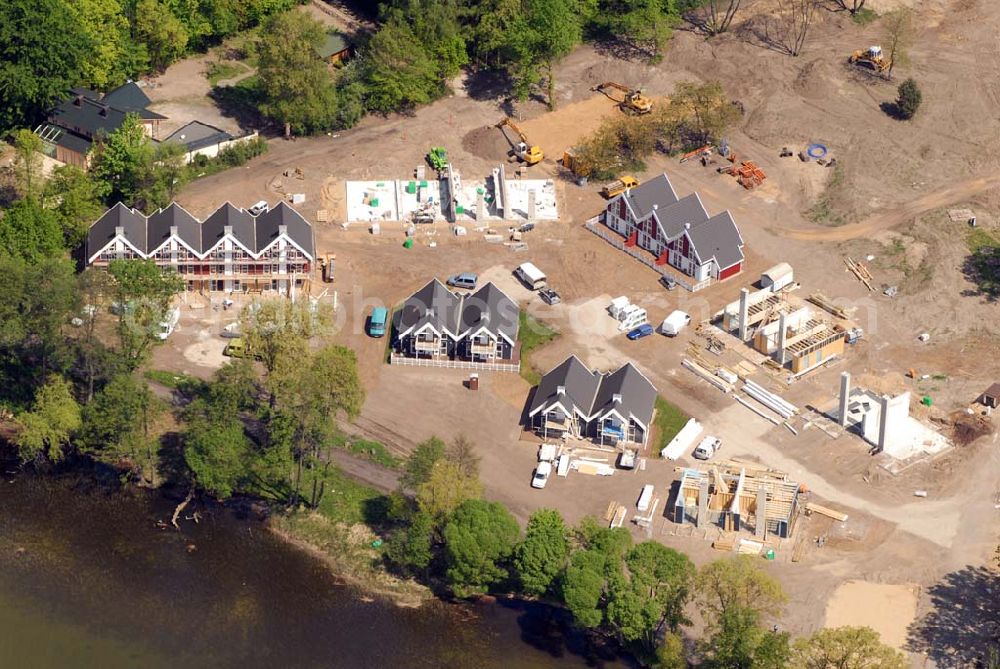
(541, 477)
(674, 323)
(463, 280)
(708, 447)
(549, 296)
(532, 277)
(668, 282)
(258, 208)
(237, 348)
(627, 459)
(526, 227)
(376, 322)
(643, 330)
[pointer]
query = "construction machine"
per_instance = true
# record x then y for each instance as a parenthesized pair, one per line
(530, 153)
(634, 103)
(871, 57)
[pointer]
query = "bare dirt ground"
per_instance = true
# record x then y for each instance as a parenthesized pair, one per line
(894, 183)
(181, 94)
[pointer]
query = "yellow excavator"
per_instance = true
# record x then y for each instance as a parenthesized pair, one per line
(633, 103)
(871, 57)
(531, 154)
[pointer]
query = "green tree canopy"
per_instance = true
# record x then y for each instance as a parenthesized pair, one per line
(117, 426)
(737, 641)
(297, 88)
(846, 648)
(737, 582)
(31, 232)
(445, 490)
(479, 539)
(420, 464)
(412, 547)
(398, 72)
(159, 32)
(909, 99)
(112, 57)
(52, 421)
(217, 454)
(542, 556)
(43, 50)
(143, 292)
(77, 201)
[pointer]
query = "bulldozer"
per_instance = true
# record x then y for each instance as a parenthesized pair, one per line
(871, 57)
(529, 153)
(633, 103)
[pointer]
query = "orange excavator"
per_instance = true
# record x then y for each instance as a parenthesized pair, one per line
(634, 101)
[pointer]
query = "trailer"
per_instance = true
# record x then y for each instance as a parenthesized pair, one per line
(682, 441)
(645, 498)
(530, 276)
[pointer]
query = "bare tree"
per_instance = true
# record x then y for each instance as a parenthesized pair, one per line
(898, 37)
(852, 6)
(720, 15)
(798, 17)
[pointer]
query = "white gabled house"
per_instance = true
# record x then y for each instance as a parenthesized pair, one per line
(230, 251)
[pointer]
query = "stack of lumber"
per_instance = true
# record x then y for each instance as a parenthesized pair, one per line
(725, 544)
(860, 271)
(825, 303)
(824, 511)
(748, 174)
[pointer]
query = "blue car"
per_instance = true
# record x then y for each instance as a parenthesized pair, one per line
(643, 330)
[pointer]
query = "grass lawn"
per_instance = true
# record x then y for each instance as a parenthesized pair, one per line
(668, 422)
(983, 266)
(173, 380)
(979, 238)
(371, 450)
(220, 70)
(533, 334)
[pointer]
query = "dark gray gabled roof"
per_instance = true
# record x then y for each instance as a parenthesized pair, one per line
(53, 134)
(638, 396)
(579, 384)
(433, 304)
(128, 97)
(103, 230)
(688, 210)
(197, 135)
(159, 223)
(656, 191)
(297, 228)
(718, 237)
(242, 225)
(490, 307)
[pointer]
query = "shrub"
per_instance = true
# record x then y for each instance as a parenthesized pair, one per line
(909, 99)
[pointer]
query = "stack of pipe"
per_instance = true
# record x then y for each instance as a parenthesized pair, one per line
(773, 402)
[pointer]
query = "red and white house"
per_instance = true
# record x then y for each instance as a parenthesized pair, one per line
(678, 231)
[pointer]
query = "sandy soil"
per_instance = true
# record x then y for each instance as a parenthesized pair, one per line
(888, 609)
(894, 176)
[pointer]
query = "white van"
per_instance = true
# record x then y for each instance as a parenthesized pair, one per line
(258, 209)
(168, 325)
(530, 276)
(674, 323)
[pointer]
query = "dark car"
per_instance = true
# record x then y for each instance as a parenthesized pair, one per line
(668, 282)
(464, 280)
(643, 330)
(549, 296)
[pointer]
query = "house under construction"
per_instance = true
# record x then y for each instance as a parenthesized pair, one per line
(738, 497)
(777, 326)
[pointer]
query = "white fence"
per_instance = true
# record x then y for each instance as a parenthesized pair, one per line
(645, 257)
(404, 360)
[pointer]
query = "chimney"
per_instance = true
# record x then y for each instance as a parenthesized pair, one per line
(428, 312)
(173, 230)
(282, 229)
(687, 226)
(78, 101)
(227, 230)
(560, 390)
(616, 398)
(119, 231)
(655, 206)
(104, 111)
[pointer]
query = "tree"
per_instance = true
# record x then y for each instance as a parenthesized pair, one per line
(398, 72)
(124, 160)
(898, 35)
(43, 49)
(435, 25)
(112, 57)
(31, 232)
(295, 83)
(279, 329)
(420, 464)
(28, 162)
(47, 428)
(142, 292)
(541, 557)
(852, 6)
(412, 547)
(117, 426)
(648, 24)
(583, 587)
(846, 648)
(798, 18)
(738, 642)
(737, 583)
(544, 33)
(719, 15)
(77, 201)
(478, 539)
(445, 490)
(161, 33)
(670, 654)
(217, 452)
(94, 360)
(706, 110)
(909, 99)
(462, 452)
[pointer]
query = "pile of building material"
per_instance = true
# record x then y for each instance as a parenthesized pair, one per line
(825, 303)
(772, 401)
(682, 441)
(707, 375)
(747, 173)
(859, 270)
(628, 315)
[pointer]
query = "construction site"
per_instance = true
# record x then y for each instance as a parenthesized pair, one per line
(880, 291)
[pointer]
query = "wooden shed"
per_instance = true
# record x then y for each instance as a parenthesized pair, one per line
(991, 396)
(335, 48)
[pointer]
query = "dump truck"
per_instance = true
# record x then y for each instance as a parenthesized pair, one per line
(524, 149)
(634, 101)
(871, 57)
(618, 187)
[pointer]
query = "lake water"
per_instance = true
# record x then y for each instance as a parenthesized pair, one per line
(87, 579)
